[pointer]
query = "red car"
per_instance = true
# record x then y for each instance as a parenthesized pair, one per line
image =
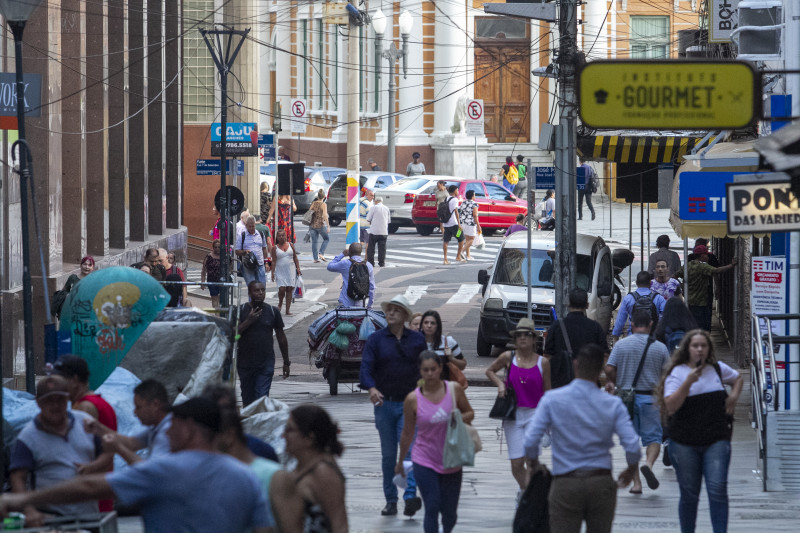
(497, 206)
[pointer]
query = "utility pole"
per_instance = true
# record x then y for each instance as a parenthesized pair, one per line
(566, 134)
(356, 20)
(224, 55)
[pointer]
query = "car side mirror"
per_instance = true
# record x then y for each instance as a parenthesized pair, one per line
(511, 197)
(483, 277)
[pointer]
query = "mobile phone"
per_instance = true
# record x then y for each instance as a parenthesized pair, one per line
(699, 364)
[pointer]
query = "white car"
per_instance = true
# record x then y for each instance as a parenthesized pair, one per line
(399, 197)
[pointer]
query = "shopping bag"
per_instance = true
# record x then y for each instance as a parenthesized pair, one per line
(299, 288)
(367, 328)
(459, 446)
(480, 242)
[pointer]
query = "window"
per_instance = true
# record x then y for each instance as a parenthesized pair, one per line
(496, 192)
(200, 75)
(478, 188)
(383, 181)
(500, 28)
(649, 37)
(320, 66)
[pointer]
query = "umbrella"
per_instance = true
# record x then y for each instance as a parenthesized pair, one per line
(105, 314)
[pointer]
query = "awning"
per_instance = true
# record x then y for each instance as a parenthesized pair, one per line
(636, 148)
(698, 191)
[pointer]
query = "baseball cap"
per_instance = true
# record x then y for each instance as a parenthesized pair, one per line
(700, 249)
(69, 365)
(202, 410)
(51, 386)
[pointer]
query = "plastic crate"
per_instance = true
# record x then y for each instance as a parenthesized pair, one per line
(100, 522)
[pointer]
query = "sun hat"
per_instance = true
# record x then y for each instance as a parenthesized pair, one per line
(700, 249)
(525, 324)
(401, 302)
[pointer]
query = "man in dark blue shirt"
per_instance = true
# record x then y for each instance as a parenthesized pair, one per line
(390, 370)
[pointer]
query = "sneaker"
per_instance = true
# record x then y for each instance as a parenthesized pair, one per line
(390, 509)
(412, 506)
(665, 457)
(592, 216)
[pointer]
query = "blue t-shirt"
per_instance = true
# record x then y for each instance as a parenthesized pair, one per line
(193, 491)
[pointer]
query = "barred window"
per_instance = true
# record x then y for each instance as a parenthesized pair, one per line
(649, 37)
(200, 74)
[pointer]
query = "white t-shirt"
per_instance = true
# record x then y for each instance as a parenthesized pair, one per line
(379, 218)
(452, 205)
(708, 382)
(550, 207)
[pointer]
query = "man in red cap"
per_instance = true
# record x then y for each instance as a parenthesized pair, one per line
(700, 273)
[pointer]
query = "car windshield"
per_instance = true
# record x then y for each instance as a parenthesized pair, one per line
(409, 184)
(268, 169)
(512, 269)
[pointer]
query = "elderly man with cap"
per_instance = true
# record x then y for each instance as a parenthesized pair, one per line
(699, 297)
(195, 488)
(389, 371)
(52, 448)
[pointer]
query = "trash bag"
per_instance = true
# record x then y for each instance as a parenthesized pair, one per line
(345, 328)
(367, 328)
(339, 340)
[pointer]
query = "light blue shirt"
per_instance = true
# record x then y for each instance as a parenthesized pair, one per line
(582, 420)
(626, 307)
(341, 264)
(154, 439)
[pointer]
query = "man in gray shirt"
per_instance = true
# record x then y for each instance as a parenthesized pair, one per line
(620, 373)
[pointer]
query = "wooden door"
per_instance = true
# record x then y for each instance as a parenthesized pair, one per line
(503, 82)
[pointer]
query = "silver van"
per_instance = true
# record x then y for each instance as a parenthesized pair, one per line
(505, 292)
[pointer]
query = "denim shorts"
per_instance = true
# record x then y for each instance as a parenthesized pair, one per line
(647, 419)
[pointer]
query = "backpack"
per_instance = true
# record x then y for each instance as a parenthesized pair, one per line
(645, 302)
(443, 212)
(513, 175)
(673, 338)
(61, 296)
(358, 280)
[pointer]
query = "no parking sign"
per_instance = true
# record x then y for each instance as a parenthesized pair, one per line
(475, 117)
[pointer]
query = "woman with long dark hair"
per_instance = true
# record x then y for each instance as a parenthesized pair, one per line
(694, 396)
(445, 346)
(426, 414)
(674, 323)
(311, 497)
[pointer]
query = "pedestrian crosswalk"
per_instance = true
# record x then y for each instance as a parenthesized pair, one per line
(430, 253)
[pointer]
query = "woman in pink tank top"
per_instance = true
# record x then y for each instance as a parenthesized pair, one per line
(426, 411)
(528, 373)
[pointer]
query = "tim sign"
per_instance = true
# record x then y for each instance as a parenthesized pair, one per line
(762, 207)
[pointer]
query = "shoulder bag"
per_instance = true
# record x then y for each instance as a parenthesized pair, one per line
(566, 358)
(455, 373)
(308, 217)
(628, 396)
(505, 407)
(459, 446)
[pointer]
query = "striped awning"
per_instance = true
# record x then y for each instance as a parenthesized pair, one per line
(636, 148)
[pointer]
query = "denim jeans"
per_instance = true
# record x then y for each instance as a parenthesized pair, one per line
(389, 422)
(692, 463)
(255, 382)
(440, 493)
(254, 275)
(316, 233)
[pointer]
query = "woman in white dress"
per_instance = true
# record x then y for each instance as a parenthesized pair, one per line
(283, 273)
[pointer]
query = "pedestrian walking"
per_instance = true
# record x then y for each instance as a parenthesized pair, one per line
(265, 199)
(700, 428)
(286, 209)
(415, 323)
(528, 374)
(452, 228)
(443, 345)
(636, 363)
(212, 271)
(416, 167)
(662, 283)
(426, 418)
(311, 498)
(510, 174)
(588, 189)
(213, 492)
(252, 242)
(362, 293)
(580, 330)
(521, 189)
(286, 266)
(470, 221)
(319, 227)
(582, 420)
(389, 371)
(699, 293)
(664, 253)
(641, 298)
(673, 325)
(364, 205)
(441, 196)
(257, 323)
(88, 266)
(379, 218)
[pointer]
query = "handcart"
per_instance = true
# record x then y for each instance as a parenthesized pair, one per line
(341, 364)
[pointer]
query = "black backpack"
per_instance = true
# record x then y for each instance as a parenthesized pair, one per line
(443, 210)
(358, 280)
(646, 302)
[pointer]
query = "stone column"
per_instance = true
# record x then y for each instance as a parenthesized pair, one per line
(412, 90)
(119, 221)
(138, 122)
(156, 189)
(450, 63)
(173, 139)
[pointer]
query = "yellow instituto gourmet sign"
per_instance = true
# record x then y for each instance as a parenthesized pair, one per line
(668, 94)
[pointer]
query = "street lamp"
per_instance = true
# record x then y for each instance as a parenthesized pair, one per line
(16, 13)
(392, 54)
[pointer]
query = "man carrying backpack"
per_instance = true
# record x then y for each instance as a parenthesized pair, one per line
(447, 212)
(641, 298)
(358, 279)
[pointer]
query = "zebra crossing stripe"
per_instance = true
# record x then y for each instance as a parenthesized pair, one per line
(401, 258)
(465, 293)
(415, 292)
(313, 295)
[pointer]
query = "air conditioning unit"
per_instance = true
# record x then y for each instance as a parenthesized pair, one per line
(760, 30)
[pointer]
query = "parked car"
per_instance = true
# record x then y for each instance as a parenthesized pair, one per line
(505, 290)
(400, 197)
(497, 206)
(314, 178)
(337, 193)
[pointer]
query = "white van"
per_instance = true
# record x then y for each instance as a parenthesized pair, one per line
(505, 293)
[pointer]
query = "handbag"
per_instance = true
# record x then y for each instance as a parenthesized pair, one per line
(459, 448)
(628, 396)
(308, 217)
(505, 407)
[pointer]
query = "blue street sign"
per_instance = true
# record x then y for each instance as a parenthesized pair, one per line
(210, 167)
(580, 178)
(266, 139)
(545, 177)
(237, 131)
